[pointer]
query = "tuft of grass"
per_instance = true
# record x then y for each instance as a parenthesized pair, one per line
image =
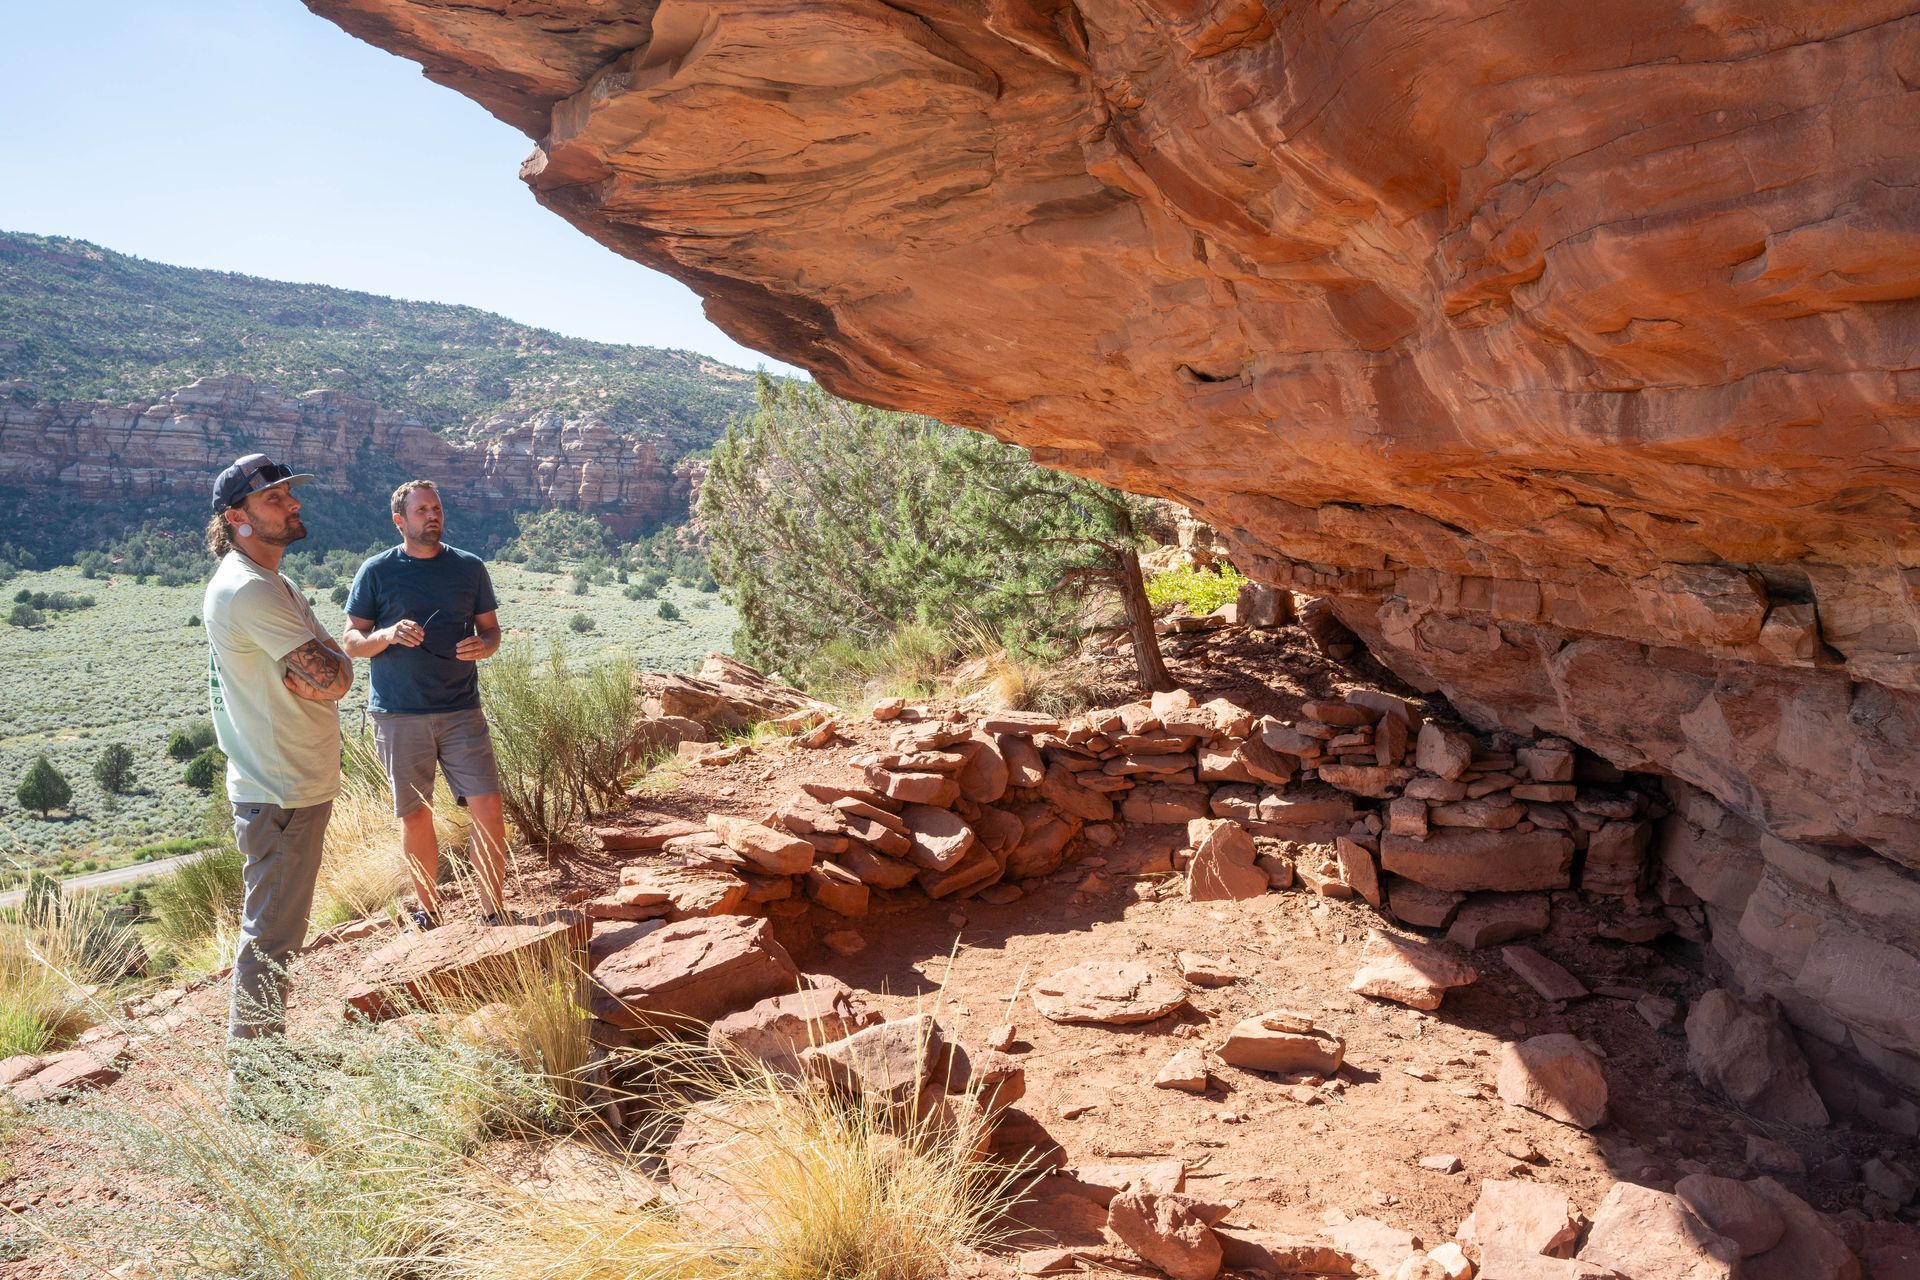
(790, 1182)
(198, 904)
(908, 663)
(54, 957)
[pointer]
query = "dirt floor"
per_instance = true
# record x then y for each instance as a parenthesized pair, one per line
(1281, 1151)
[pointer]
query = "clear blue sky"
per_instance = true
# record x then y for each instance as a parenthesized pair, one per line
(249, 135)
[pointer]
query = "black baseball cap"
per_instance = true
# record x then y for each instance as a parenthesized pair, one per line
(248, 476)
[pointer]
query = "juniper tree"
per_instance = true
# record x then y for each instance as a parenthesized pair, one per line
(43, 788)
(831, 522)
(113, 771)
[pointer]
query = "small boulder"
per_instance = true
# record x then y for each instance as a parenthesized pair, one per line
(1548, 979)
(1529, 1216)
(691, 971)
(778, 853)
(1734, 1210)
(1650, 1235)
(776, 1030)
(1556, 1076)
(940, 837)
(893, 1064)
(1164, 1229)
(1284, 1042)
(1809, 1248)
(1744, 1050)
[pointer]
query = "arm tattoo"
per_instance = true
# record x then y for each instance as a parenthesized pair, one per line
(317, 665)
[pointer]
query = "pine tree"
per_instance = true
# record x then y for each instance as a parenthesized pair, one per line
(113, 771)
(43, 788)
(831, 523)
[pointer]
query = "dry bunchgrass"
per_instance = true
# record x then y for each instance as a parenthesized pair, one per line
(363, 865)
(793, 1183)
(54, 957)
(530, 1006)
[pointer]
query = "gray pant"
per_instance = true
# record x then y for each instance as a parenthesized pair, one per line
(282, 847)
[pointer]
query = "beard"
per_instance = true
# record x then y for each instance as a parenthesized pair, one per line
(429, 536)
(287, 534)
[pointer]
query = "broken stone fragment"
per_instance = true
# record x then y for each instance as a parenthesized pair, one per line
(1415, 974)
(1556, 1076)
(1221, 866)
(1443, 751)
(1166, 1231)
(1107, 991)
(1547, 978)
(1357, 869)
(1487, 920)
(1185, 1071)
(778, 853)
(1283, 1042)
(1206, 971)
(940, 838)
(1521, 1214)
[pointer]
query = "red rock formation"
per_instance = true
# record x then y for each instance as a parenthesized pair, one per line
(169, 452)
(1569, 348)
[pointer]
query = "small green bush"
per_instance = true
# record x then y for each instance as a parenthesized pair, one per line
(561, 737)
(25, 615)
(43, 788)
(580, 623)
(193, 619)
(113, 771)
(1199, 591)
(205, 769)
(580, 586)
(668, 612)
(190, 740)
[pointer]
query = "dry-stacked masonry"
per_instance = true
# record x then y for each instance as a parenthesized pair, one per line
(1357, 795)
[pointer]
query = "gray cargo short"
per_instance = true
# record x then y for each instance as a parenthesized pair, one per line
(459, 742)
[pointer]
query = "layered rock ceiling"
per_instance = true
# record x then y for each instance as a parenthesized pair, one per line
(1573, 350)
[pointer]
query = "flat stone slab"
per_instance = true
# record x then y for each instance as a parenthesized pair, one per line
(1107, 991)
(1546, 977)
(1465, 859)
(1415, 974)
(693, 971)
(460, 955)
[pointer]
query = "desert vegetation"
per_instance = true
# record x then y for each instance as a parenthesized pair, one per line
(848, 536)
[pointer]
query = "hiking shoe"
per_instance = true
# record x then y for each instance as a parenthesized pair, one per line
(494, 919)
(422, 920)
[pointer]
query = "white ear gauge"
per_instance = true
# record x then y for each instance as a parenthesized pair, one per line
(245, 530)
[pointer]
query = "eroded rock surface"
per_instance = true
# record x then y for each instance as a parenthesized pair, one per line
(1568, 355)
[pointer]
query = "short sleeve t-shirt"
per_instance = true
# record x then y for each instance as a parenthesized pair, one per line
(442, 593)
(281, 749)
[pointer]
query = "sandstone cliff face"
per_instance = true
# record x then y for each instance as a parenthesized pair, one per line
(1570, 349)
(169, 453)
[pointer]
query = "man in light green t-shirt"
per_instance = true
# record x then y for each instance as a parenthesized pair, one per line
(275, 678)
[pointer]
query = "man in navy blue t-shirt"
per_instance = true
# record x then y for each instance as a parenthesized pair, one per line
(425, 614)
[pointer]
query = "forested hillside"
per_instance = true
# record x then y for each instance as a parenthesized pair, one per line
(79, 322)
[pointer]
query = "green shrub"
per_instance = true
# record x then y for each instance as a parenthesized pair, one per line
(561, 736)
(193, 619)
(25, 615)
(580, 586)
(190, 740)
(580, 623)
(43, 788)
(1199, 591)
(113, 771)
(205, 769)
(668, 612)
(339, 594)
